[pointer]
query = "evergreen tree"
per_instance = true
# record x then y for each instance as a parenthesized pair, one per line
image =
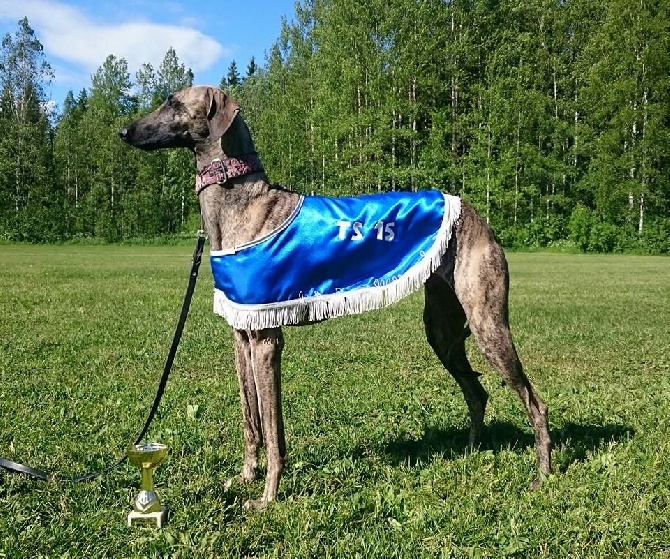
(251, 68)
(233, 75)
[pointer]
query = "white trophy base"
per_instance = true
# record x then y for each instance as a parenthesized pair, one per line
(160, 516)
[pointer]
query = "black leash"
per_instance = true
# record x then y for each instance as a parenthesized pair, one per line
(14, 467)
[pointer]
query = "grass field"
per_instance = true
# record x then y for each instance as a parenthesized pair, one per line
(376, 429)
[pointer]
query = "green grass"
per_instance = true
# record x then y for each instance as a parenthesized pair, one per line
(376, 429)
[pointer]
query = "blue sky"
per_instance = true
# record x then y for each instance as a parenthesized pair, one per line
(77, 35)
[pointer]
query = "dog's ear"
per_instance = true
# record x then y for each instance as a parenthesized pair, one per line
(221, 111)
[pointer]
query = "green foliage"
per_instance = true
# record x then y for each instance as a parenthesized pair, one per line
(232, 78)
(549, 116)
(252, 68)
(603, 237)
(517, 106)
(377, 430)
(581, 222)
(656, 238)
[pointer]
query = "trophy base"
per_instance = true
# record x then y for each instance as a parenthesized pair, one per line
(159, 516)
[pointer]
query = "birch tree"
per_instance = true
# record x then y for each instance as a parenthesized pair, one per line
(26, 199)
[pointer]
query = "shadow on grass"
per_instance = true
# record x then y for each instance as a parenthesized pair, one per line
(574, 441)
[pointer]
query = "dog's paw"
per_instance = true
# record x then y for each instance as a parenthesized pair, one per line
(228, 485)
(238, 480)
(255, 504)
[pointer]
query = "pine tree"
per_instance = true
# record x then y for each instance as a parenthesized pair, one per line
(252, 68)
(233, 75)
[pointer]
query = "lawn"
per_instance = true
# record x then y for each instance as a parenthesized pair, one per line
(376, 429)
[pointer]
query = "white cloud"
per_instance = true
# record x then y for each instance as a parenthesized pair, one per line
(76, 38)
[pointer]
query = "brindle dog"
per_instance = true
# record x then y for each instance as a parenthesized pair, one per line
(467, 293)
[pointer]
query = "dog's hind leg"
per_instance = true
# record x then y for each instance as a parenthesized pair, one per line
(481, 283)
(446, 332)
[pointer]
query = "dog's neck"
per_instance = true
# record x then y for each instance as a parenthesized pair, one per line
(247, 207)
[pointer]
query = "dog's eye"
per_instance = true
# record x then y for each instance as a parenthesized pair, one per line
(169, 99)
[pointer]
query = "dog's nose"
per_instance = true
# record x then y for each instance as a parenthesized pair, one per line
(123, 133)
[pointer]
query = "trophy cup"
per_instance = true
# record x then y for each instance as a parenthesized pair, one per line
(147, 506)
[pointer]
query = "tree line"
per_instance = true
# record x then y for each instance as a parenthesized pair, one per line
(552, 117)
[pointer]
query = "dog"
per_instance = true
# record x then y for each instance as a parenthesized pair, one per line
(466, 293)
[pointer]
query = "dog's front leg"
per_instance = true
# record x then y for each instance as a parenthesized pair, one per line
(266, 349)
(253, 434)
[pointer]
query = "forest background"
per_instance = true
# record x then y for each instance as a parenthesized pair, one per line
(552, 117)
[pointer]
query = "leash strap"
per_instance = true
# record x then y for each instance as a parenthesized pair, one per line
(36, 473)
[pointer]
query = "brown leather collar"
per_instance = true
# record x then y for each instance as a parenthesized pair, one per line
(220, 171)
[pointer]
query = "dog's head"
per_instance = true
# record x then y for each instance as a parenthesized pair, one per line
(188, 117)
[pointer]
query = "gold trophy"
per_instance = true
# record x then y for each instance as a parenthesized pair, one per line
(147, 506)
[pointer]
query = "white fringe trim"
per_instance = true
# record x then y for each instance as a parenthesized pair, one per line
(321, 307)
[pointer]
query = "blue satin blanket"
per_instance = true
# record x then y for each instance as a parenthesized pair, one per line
(334, 256)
